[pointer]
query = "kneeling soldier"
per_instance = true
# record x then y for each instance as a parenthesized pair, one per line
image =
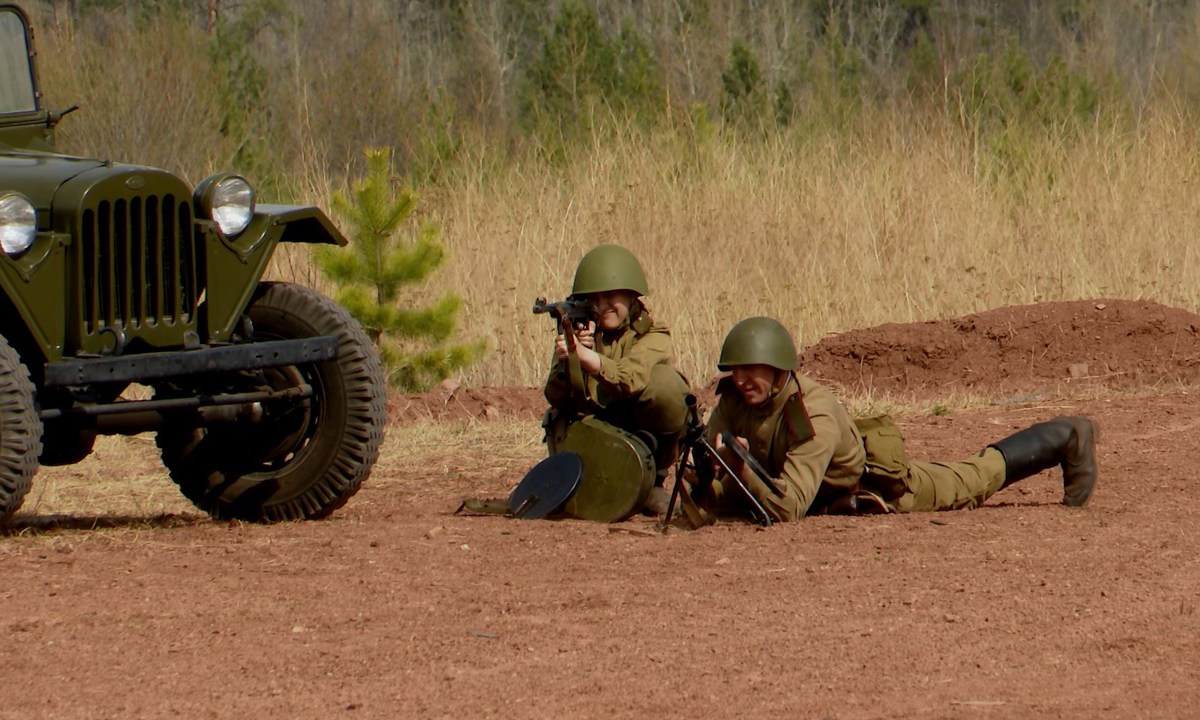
(826, 462)
(624, 355)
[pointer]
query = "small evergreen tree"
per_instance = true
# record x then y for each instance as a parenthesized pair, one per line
(742, 96)
(379, 264)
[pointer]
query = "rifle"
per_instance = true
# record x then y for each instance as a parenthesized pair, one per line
(703, 455)
(570, 315)
(576, 310)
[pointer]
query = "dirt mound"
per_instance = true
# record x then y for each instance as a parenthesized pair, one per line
(1046, 348)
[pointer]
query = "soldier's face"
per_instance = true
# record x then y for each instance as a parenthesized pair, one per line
(612, 308)
(755, 383)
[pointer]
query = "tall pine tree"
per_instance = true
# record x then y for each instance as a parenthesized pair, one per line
(380, 262)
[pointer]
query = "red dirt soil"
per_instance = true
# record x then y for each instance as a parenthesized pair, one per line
(397, 608)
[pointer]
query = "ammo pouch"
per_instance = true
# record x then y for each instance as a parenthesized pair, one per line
(886, 471)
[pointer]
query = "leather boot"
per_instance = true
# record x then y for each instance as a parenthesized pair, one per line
(1069, 442)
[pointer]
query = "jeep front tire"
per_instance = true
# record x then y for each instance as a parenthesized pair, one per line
(304, 458)
(20, 431)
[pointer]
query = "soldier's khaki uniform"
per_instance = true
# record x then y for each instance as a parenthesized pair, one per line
(807, 441)
(636, 389)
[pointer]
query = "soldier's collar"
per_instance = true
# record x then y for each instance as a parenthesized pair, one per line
(789, 387)
(642, 324)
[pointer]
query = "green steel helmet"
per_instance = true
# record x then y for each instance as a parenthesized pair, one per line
(609, 267)
(758, 341)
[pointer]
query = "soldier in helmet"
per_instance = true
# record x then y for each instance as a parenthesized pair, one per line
(625, 357)
(827, 462)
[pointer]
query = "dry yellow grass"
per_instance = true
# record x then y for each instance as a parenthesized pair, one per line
(905, 224)
(122, 479)
(124, 483)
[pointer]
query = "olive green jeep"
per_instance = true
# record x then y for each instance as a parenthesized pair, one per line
(267, 399)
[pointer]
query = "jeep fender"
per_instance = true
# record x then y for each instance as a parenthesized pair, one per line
(303, 224)
(240, 262)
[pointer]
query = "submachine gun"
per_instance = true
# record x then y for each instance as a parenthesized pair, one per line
(703, 455)
(570, 315)
(576, 310)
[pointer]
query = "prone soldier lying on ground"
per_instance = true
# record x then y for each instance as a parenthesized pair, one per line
(822, 461)
(613, 369)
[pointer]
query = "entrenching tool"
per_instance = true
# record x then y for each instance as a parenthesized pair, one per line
(542, 491)
(546, 487)
(600, 473)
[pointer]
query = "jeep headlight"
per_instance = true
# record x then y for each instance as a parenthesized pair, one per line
(227, 200)
(18, 223)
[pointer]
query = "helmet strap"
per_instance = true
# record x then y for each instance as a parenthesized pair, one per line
(778, 386)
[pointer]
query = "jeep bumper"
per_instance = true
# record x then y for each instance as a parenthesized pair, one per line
(159, 365)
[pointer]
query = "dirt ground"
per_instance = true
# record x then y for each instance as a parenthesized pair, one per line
(397, 608)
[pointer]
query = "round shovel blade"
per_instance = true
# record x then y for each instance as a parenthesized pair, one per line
(546, 487)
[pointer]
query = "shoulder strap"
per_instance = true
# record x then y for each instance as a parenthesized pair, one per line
(795, 427)
(574, 369)
(795, 418)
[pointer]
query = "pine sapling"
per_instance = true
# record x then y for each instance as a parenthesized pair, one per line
(382, 261)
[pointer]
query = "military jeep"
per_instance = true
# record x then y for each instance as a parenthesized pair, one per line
(131, 302)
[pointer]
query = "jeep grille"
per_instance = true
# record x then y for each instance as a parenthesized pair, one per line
(139, 264)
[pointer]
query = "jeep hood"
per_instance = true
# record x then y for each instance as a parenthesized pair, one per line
(38, 176)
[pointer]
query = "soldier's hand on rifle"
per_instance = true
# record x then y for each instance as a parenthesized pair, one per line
(586, 336)
(731, 458)
(561, 350)
(585, 340)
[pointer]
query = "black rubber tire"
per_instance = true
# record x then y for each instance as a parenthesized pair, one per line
(20, 431)
(307, 458)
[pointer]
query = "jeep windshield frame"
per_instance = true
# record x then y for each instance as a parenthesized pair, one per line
(18, 87)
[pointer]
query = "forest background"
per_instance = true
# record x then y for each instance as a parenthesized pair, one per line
(832, 164)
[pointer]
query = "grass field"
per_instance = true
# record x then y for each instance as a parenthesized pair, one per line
(903, 223)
